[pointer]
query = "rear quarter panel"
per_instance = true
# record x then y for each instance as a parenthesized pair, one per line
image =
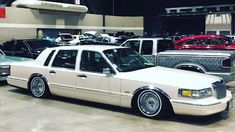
(20, 73)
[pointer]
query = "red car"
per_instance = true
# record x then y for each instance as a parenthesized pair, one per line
(205, 42)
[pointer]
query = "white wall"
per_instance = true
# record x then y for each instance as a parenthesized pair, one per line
(23, 23)
(218, 22)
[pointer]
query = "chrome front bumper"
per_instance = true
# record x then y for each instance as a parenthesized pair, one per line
(204, 107)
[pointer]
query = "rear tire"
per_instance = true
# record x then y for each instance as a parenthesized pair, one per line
(38, 87)
(152, 104)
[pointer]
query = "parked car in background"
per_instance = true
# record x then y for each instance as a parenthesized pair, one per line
(5, 62)
(136, 83)
(125, 35)
(65, 39)
(77, 39)
(206, 42)
(29, 48)
(90, 35)
(108, 39)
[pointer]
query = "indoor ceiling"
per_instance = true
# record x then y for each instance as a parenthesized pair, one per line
(136, 7)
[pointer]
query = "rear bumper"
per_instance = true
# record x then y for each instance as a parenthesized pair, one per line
(18, 82)
(203, 107)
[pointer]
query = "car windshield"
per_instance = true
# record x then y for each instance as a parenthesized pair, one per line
(40, 45)
(126, 59)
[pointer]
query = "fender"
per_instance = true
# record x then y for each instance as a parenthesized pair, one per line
(146, 88)
(190, 65)
(37, 75)
(151, 88)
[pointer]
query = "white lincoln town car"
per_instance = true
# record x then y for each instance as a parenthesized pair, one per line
(120, 76)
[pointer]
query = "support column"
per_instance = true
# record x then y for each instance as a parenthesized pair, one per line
(233, 23)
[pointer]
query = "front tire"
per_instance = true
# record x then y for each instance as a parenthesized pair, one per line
(151, 104)
(38, 87)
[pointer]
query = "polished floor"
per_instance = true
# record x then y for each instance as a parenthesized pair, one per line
(20, 112)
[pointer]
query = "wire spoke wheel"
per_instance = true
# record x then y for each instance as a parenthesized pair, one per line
(149, 103)
(37, 87)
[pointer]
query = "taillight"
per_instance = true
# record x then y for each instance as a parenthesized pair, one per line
(4, 70)
(227, 62)
(2, 12)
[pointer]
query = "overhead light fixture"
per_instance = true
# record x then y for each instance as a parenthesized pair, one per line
(46, 5)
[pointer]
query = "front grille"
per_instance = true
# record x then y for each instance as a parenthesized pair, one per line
(220, 89)
(4, 71)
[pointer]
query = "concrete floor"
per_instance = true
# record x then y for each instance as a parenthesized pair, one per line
(20, 112)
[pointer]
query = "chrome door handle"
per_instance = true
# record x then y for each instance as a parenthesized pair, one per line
(82, 75)
(52, 71)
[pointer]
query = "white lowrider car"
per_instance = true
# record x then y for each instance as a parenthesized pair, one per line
(119, 76)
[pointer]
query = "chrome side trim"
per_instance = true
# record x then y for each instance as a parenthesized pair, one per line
(216, 73)
(198, 54)
(19, 79)
(89, 90)
(59, 85)
(192, 104)
(105, 92)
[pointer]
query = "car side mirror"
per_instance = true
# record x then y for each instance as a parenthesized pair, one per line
(107, 72)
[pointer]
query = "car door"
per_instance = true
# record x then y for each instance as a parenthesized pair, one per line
(91, 82)
(146, 50)
(61, 73)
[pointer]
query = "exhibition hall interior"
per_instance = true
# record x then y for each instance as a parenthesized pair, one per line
(117, 65)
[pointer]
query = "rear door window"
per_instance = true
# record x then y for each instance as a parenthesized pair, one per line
(210, 41)
(65, 59)
(147, 47)
(191, 42)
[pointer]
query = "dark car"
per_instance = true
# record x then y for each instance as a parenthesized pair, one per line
(206, 42)
(29, 48)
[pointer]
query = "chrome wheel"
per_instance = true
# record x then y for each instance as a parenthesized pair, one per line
(149, 103)
(37, 87)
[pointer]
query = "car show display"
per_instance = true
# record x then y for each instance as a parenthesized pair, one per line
(117, 65)
(136, 83)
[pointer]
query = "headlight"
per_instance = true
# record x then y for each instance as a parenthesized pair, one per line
(202, 93)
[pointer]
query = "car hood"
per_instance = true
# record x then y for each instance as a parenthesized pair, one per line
(6, 60)
(170, 77)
